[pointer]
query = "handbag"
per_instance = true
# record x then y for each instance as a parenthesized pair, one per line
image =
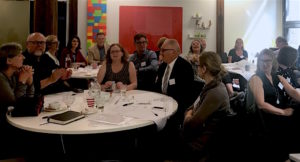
(28, 106)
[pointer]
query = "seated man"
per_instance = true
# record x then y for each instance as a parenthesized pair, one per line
(175, 78)
(36, 44)
(145, 62)
(98, 51)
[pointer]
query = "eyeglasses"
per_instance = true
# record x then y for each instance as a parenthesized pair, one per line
(37, 42)
(116, 51)
(165, 49)
(56, 42)
(141, 42)
(267, 61)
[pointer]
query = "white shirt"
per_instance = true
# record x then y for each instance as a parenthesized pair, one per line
(171, 65)
(53, 58)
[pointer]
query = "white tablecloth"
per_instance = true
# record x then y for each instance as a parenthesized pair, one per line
(239, 68)
(136, 115)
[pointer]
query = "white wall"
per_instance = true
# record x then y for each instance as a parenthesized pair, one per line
(82, 24)
(257, 22)
(205, 8)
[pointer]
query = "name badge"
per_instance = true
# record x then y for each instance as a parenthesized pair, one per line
(143, 64)
(196, 102)
(242, 56)
(171, 81)
(280, 86)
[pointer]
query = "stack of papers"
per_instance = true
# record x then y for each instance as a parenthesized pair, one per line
(110, 119)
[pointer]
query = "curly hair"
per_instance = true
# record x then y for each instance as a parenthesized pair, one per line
(124, 58)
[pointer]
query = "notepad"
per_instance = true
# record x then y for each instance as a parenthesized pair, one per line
(65, 117)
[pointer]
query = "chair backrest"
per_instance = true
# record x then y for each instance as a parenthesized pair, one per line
(224, 57)
(197, 88)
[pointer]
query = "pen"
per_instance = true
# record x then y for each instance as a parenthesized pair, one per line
(128, 104)
(158, 107)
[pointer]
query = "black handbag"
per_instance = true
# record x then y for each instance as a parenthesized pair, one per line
(28, 106)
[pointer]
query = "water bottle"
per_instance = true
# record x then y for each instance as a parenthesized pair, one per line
(68, 61)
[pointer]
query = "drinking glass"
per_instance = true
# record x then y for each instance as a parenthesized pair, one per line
(68, 100)
(123, 90)
(100, 103)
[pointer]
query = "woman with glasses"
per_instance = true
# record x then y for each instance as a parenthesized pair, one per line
(50, 62)
(73, 51)
(276, 115)
(117, 69)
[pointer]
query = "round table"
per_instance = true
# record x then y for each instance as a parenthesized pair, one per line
(143, 102)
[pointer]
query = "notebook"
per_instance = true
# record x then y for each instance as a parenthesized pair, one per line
(65, 117)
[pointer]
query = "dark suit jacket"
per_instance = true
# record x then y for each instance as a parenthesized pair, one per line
(181, 91)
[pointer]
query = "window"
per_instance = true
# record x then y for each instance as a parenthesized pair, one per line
(291, 22)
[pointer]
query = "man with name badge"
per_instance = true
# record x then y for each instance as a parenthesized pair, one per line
(145, 62)
(175, 79)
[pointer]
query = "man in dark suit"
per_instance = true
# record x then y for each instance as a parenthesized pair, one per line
(175, 79)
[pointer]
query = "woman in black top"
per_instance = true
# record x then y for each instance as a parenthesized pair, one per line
(276, 115)
(117, 68)
(237, 53)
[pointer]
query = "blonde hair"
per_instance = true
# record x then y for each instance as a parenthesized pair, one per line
(236, 42)
(49, 40)
(161, 41)
(213, 64)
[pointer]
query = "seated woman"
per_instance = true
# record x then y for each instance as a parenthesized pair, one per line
(49, 63)
(116, 68)
(276, 114)
(16, 81)
(73, 51)
(193, 56)
(201, 119)
(237, 53)
(159, 43)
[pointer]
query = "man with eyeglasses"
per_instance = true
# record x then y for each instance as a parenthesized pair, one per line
(97, 52)
(145, 62)
(175, 78)
(35, 48)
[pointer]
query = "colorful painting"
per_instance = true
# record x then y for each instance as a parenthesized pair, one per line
(96, 19)
(154, 22)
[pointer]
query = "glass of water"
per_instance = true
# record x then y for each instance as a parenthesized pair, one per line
(123, 90)
(68, 100)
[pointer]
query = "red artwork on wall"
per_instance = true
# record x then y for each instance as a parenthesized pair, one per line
(154, 22)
